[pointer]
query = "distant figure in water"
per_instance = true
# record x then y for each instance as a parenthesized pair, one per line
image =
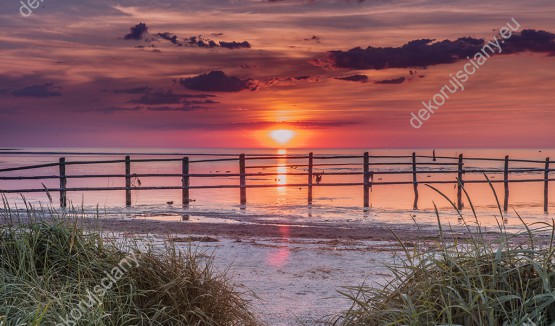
(434, 154)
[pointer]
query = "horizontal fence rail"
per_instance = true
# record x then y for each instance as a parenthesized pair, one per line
(305, 165)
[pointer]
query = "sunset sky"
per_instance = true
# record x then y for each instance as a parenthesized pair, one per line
(253, 73)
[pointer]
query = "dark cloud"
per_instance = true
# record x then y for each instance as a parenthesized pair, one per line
(137, 32)
(235, 45)
(530, 40)
(43, 90)
(417, 53)
(170, 37)
(201, 42)
(394, 81)
(355, 78)
(427, 52)
(141, 32)
(218, 81)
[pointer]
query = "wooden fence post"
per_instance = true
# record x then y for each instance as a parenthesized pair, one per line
(128, 181)
(310, 170)
(185, 182)
(460, 183)
(243, 179)
(414, 182)
(506, 182)
(546, 187)
(366, 179)
(63, 183)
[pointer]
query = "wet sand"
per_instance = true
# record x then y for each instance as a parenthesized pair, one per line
(339, 231)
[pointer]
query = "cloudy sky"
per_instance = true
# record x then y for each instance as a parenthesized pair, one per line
(226, 73)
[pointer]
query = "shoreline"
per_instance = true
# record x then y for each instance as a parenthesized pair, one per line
(241, 227)
(326, 231)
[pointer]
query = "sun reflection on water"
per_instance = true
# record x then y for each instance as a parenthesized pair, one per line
(280, 256)
(281, 171)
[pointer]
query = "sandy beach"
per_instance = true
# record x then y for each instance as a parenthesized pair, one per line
(293, 271)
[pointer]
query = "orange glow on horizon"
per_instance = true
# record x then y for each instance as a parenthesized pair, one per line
(282, 136)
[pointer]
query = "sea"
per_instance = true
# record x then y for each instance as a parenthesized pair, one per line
(283, 203)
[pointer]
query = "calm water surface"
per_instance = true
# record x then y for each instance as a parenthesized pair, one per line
(390, 203)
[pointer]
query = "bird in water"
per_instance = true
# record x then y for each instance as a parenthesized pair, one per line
(318, 177)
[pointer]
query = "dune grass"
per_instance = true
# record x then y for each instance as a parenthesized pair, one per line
(477, 280)
(49, 267)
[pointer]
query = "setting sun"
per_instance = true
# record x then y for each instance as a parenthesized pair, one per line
(282, 136)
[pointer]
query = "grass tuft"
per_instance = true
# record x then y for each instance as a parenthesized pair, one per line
(49, 266)
(508, 279)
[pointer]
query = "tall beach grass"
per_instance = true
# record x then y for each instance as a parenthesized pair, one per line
(475, 280)
(49, 265)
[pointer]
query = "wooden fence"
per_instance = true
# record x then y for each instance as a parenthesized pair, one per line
(371, 166)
